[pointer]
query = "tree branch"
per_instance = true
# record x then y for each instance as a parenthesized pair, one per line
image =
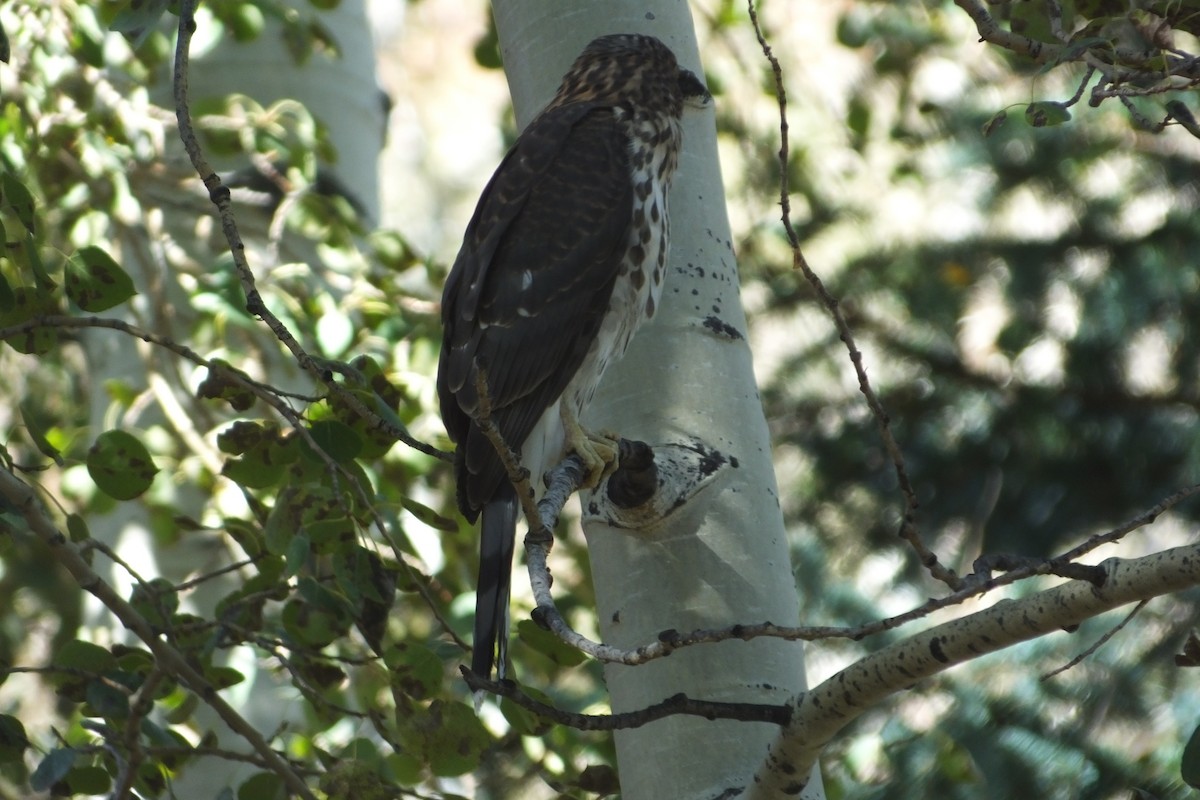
(823, 711)
(676, 704)
(908, 525)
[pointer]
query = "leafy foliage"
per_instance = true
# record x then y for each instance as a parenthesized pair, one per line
(1027, 313)
(1025, 310)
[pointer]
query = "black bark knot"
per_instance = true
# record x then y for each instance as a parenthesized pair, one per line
(636, 478)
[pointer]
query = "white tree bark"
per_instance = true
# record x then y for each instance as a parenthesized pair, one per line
(723, 558)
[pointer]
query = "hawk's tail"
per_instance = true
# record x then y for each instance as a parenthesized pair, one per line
(497, 538)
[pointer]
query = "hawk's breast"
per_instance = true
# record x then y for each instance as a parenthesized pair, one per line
(654, 152)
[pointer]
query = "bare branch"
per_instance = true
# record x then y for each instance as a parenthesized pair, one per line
(1096, 645)
(672, 706)
(908, 526)
(826, 709)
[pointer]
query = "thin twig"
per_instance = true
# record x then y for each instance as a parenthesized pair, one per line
(908, 527)
(1096, 645)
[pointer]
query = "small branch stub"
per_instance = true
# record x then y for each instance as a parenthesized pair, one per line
(652, 482)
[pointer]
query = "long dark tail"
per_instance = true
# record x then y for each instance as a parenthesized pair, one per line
(497, 538)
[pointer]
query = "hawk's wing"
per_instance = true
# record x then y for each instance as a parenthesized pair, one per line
(532, 282)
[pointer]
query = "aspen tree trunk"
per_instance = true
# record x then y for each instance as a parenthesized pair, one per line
(723, 558)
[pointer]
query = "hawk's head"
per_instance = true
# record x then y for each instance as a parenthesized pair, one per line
(631, 70)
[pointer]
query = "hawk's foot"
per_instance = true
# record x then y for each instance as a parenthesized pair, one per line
(598, 449)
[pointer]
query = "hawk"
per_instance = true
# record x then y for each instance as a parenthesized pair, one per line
(561, 262)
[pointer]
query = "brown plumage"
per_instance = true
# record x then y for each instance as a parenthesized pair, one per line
(562, 260)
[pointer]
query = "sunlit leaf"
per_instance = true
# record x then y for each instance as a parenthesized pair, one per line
(120, 465)
(95, 282)
(428, 515)
(18, 198)
(28, 304)
(37, 434)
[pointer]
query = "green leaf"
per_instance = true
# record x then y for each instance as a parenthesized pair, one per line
(245, 22)
(18, 198)
(428, 515)
(855, 29)
(157, 735)
(337, 439)
(312, 627)
(414, 669)
(320, 596)
(77, 528)
(183, 712)
(95, 282)
(296, 555)
(456, 740)
(37, 434)
(406, 767)
(89, 780)
(78, 655)
(33, 256)
(262, 786)
(1046, 113)
(12, 739)
(155, 600)
(53, 768)
(106, 700)
(223, 677)
(265, 453)
(30, 303)
(549, 645)
(120, 465)
(8, 300)
(487, 49)
(524, 721)
(219, 384)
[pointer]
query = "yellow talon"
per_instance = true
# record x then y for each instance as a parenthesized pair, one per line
(598, 449)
